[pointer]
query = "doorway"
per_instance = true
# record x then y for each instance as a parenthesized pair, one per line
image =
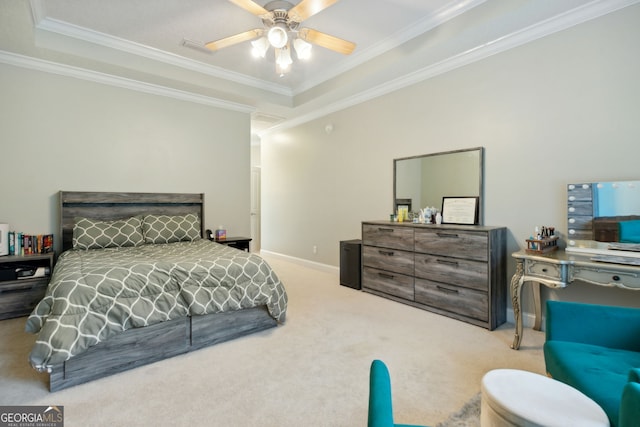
(255, 208)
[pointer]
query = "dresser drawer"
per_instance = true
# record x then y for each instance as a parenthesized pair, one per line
(390, 283)
(388, 236)
(461, 244)
(467, 302)
(543, 270)
(456, 271)
(388, 259)
(615, 277)
(18, 298)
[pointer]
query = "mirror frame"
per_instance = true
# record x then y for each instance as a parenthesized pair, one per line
(480, 194)
(582, 226)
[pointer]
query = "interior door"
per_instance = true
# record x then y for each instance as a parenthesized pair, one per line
(255, 209)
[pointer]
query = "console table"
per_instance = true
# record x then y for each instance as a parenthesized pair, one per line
(559, 269)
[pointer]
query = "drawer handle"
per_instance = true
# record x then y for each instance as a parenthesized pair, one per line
(16, 291)
(388, 230)
(446, 261)
(386, 276)
(616, 278)
(544, 270)
(447, 290)
(387, 253)
(449, 235)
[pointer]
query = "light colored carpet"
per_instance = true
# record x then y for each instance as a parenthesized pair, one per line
(467, 416)
(313, 370)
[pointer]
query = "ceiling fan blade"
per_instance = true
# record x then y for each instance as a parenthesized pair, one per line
(250, 7)
(307, 8)
(238, 38)
(326, 41)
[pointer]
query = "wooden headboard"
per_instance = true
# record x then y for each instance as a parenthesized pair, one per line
(111, 206)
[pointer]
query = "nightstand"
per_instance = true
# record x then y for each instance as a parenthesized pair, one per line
(241, 243)
(19, 295)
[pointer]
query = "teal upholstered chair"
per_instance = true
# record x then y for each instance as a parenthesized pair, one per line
(596, 349)
(380, 407)
(630, 402)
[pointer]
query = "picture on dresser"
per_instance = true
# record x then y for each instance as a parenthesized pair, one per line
(460, 210)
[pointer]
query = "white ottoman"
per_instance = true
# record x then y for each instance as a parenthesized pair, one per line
(518, 398)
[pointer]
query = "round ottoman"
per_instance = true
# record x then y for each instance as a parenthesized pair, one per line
(518, 398)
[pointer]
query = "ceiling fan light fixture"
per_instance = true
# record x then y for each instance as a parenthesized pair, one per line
(303, 49)
(281, 29)
(260, 47)
(283, 58)
(277, 36)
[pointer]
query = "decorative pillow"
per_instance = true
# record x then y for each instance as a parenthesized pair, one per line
(629, 231)
(169, 229)
(95, 234)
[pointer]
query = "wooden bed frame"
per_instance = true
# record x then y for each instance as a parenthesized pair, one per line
(141, 346)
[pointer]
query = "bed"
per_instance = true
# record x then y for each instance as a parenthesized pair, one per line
(144, 288)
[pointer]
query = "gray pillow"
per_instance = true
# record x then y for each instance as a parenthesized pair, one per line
(169, 229)
(95, 234)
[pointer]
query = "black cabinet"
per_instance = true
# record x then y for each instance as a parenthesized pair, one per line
(350, 257)
(23, 283)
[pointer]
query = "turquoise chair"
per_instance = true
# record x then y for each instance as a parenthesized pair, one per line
(596, 349)
(380, 407)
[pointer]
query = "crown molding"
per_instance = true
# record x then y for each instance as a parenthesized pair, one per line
(55, 26)
(579, 15)
(111, 80)
(444, 14)
(46, 24)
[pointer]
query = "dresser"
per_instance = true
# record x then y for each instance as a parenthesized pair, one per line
(454, 270)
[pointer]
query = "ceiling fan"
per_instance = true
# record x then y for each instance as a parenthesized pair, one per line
(281, 21)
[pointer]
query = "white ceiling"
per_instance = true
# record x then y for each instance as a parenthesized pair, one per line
(164, 24)
(398, 42)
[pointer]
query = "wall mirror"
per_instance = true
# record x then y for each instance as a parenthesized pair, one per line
(598, 211)
(422, 181)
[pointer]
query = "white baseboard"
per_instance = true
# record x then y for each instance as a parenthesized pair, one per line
(301, 261)
(528, 319)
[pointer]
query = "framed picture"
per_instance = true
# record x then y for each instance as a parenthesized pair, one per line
(460, 210)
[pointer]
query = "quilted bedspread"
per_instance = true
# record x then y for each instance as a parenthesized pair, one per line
(96, 294)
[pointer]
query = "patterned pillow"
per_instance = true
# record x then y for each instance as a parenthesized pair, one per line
(169, 229)
(95, 234)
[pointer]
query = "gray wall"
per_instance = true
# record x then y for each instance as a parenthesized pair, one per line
(561, 109)
(59, 133)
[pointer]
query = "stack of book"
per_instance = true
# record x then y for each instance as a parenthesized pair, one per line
(27, 244)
